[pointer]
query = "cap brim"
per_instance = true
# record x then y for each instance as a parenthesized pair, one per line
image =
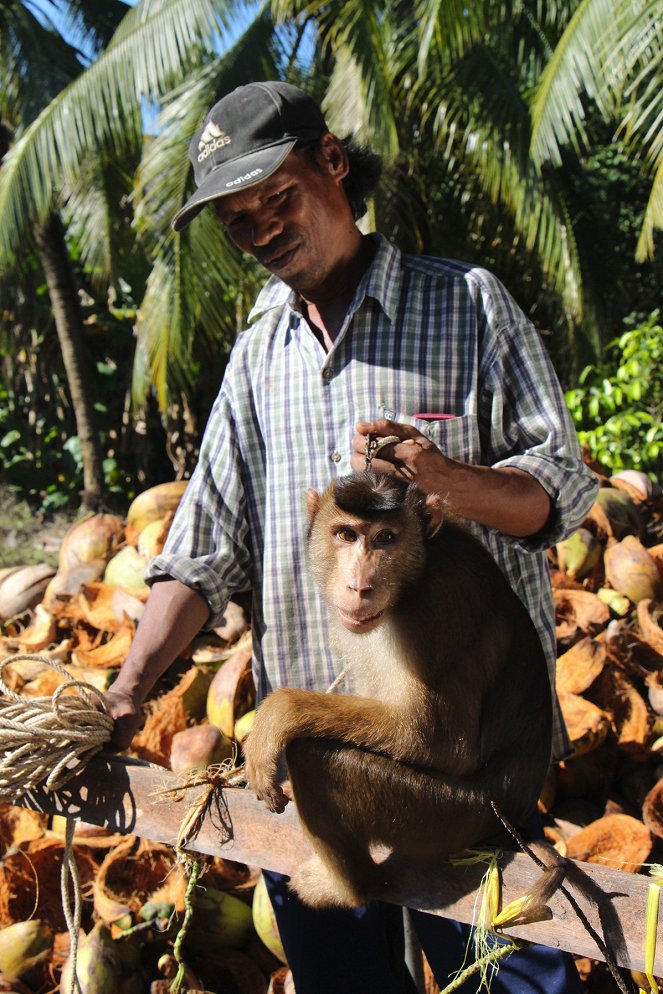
(238, 174)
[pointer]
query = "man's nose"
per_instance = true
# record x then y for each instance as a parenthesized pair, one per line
(265, 227)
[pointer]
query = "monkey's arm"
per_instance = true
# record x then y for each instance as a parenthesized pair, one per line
(289, 713)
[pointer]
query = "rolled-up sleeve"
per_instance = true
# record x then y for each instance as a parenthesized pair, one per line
(529, 428)
(208, 546)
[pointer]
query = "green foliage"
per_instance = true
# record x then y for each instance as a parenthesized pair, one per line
(618, 406)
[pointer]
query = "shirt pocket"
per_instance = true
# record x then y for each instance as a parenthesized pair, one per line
(455, 437)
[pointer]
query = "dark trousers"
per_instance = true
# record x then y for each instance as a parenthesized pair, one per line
(361, 950)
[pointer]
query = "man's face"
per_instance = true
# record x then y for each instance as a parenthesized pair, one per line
(297, 223)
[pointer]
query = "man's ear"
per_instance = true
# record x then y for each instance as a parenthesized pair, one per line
(333, 156)
(312, 504)
(434, 514)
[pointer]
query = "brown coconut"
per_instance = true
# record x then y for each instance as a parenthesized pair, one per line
(652, 810)
(650, 620)
(580, 665)
(628, 650)
(617, 695)
(22, 588)
(152, 505)
(630, 569)
(198, 747)
(618, 841)
(30, 883)
(94, 538)
(578, 613)
(622, 512)
(134, 872)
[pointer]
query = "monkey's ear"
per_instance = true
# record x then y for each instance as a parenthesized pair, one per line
(434, 514)
(312, 504)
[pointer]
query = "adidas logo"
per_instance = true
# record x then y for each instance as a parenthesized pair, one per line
(211, 139)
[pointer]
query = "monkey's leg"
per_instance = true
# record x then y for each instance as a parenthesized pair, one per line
(342, 872)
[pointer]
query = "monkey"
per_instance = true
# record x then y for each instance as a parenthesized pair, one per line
(451, 714)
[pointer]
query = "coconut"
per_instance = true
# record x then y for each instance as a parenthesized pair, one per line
(231, 693)
(579, 553)
(580, 665)
(152, 505)
(631, 570)
(198, 747)
(153, 536)
(127, 569)
(638, 484)
(24, 946)
(218, 919)
(98, 966)
(23, 588)
(244, 725)
(621, 511)
(95, 537)
(264, 920)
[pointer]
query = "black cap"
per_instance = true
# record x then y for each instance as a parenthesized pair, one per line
(245, 137)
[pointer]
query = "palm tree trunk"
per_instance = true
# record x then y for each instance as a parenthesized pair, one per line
(54, 258)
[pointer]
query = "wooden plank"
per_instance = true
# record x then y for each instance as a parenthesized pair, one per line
(126, 796)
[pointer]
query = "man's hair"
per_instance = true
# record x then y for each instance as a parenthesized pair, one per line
(363, 175)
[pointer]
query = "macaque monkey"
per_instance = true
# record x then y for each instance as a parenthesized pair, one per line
(452, 711)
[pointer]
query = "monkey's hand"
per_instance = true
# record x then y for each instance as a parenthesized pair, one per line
(261, 763)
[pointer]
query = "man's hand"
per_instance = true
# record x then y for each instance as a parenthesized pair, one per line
(507, 498)
(128, 718)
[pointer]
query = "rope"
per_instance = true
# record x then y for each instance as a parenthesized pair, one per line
(44, 741)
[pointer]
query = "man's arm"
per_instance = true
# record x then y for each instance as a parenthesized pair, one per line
(506, 499)
(173, 616)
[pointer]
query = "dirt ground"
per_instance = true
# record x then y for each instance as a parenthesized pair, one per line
(27, 538)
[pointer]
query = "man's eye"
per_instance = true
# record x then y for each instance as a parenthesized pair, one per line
(277, 195)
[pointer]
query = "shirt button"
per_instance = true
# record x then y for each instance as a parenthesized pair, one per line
(327, 373)
(335, 457)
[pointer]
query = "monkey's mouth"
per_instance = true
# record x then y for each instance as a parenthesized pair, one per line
(356, 622)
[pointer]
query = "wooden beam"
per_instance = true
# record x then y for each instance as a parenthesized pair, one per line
(127, 796)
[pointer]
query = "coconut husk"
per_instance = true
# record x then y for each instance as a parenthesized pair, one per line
(134, 872)
(652, 810)
(40, 633)
(630, 569)
(618, 697)
(95, 537)
(225, 874)
(578, 613)
(86, 834)
(650, 619)
(655, 692)
(656, 552)
(30, 883)
(586, 723)
(103, 606)
(281, 982)
(17, 675)
(20, 825)
(580, 666)
(618, 841)
(170, 713)
(109, 654)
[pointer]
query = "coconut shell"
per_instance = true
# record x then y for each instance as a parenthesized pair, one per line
(616, 694)
(650, 619)
(23, 588)
(281, 982)
(578, 613)
(232, 693)
(134, 872)
(618, 841)
(110, 654)
(580, 666)
(630, 652)
(30, 883)
(630, 569)
(40, 633)
(586, 723)
(652, 810)
(94, 538)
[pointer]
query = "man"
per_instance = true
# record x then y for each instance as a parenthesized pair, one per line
(349, 337)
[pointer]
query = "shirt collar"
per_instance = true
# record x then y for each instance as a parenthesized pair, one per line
(381, 281)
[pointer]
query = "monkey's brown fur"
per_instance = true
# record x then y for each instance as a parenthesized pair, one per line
(453, 703)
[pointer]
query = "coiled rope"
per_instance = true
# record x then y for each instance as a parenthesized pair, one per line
(44, 741)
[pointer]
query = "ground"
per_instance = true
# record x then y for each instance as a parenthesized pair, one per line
(27, 538)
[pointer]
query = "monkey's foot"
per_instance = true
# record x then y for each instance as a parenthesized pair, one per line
(320, 887)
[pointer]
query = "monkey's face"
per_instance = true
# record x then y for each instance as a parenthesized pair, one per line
(363, 565)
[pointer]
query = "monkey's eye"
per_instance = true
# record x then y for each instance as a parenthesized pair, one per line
(346, 535)
(385, 537)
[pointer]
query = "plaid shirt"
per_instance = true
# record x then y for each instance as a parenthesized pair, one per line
(422, 336)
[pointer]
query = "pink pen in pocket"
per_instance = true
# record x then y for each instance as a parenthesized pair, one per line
(434, 417)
